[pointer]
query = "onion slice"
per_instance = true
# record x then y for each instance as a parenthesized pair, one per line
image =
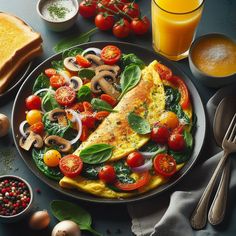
(97, 51)
(75, 118)
(152, 154)
(44, 90)
(21, 128)
(146, 166)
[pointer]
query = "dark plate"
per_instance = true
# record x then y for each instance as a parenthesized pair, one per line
(18, 115)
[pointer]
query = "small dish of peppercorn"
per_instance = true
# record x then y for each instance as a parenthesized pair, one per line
(16, 198)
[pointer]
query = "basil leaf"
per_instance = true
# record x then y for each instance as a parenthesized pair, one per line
(101, 105)
(84, 94)
(129, 78)
(74, 40)
(138, 124)
(188, 139)
(71, 52)
(131, 58)
(41, 82)
(49, 102)
(97, 153)
(86, 73)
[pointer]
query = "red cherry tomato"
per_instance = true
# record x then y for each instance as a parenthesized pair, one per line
(107, 174)
(82, 61)
(87, 106)
(121, 29)
(176, 142)
(131, 9)
(104, 6)
(164, 71)
(71, 165)
(140, 26)
(135, 159)
(77, 107)
(104, 21)
(160, 134)
(142, 181)
(50, 72)
(117, 4)
(37, 127)
(88, 119)
(164, 164)
(87, 9)
(101, 115)
(57, 81)
(110, 54)
(65, 95)
(109, 99)
(33, 102)
(84, 134)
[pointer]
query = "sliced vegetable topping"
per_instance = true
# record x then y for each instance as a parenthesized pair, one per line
(50, 72)
(82, 61)
(164, 71)
(65, 95)
(110, 54)
(57, 81)
(109, 99)
(37, 127)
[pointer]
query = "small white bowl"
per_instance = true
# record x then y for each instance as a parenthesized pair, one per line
(62, 25)
(26, 211)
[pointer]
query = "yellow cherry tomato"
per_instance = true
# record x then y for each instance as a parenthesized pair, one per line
(51, 158)
(169, 119)
(33, 116)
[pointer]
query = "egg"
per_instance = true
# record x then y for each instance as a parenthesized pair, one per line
(66, 228)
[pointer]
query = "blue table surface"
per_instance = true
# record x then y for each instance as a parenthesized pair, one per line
(218, 16)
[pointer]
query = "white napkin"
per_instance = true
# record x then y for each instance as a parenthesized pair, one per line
(168, 214)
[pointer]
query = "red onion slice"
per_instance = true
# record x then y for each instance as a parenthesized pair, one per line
(152, 154)
(146, 166)
(21, 128)
(44, 90)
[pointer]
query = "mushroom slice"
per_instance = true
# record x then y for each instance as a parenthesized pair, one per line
(31, 139)
(76, 83)
(58, 115)
(95, 60)
(54, 140)
(114, 69)
(70, 64)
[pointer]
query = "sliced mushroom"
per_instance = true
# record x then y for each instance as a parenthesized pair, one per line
(76, 83)
(103, 82)
(114, 69)
(54, 140)
(58, 115)
(95, 60)
(31, 139)
(70, 64)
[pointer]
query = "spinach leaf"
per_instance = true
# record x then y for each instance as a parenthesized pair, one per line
(49, 102)
(84, 94)
(138, 124)
(86, 73)
(100, 105)
(58, 65)
(97, 153)
(64, 210)
(153, 147)
(123, 173)
(71, 52)
(52, 173)
(129, 78)
(41, 82)
(74, 40)
(127, 59)
(90, 171)
(177, 109)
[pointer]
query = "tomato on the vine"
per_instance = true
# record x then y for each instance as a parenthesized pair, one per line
(57, 81)
(176, 142)
(135, 159)
(121, 29)
(65, 95)
(107, 174)
(104, 6)
(131, 9)
(87, 8)
(37, 127)
(110, 54)
(104, 21)
(33, 102)
(160, 134)
(140, 25)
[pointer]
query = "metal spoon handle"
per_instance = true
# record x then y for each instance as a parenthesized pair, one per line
(217, 211)
(199, 217)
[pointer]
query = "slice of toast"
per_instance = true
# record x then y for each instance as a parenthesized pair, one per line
(7, 77)
(16, 40)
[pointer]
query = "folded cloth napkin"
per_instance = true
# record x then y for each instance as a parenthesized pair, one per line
(169, 213)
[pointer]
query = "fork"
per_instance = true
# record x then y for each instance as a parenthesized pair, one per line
(199, 216)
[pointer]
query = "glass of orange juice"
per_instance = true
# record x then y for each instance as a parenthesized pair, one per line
(173, 26)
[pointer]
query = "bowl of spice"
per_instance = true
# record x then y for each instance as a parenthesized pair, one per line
(58, 15)
(16, 198)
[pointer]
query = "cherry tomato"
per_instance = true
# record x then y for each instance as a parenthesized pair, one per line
(121, 29)
(176, 142)
(131, 9)
(77, 107)
(33, 116)
(50, 72)
(71, 165)
(37, 127)
(164, 71)
(117, 4)
(142, 181)
(57, 81)
(169, 119)
(107, 174)
(65, 95)
(104, 21)
(109, 99)
(178, 130)
(51, 158)
(87, 9)
(87, 106)
(160, 134)
(110, 54)
(164, 164)
(88, 119)
(135, 159)
(33, 102)
(104, 6)
(101, 115)
(84, 134)
(82, 61)
(140, 26)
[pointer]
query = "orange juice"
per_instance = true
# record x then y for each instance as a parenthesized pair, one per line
(173, 24)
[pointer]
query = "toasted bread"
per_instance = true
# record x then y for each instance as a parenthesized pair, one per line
(16, 40)
(7, 77)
